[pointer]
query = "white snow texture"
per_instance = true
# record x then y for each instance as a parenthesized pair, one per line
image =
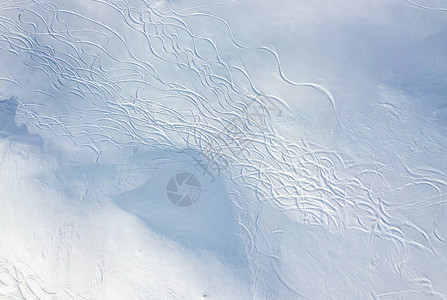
(240, 149)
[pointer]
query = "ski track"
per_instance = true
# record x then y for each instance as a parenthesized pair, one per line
(101, 98)
(422, 6)
(19, 281)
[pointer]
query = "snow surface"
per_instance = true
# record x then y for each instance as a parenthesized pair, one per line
(309, 138)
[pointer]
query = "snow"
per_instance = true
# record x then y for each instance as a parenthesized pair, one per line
(223, 150)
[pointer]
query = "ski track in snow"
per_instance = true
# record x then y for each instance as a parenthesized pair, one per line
(106, 83)
(19, 281)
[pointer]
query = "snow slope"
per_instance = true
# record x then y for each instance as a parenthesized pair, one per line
(306, 140)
